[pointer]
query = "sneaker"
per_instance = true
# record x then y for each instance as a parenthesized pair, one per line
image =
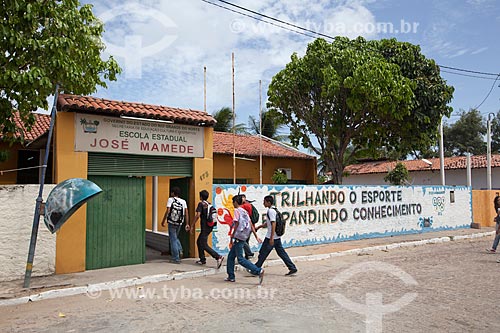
(229, 280)
(199, 262)
(261, 276)
(219, 262)
(174, 261)
(491, 250)
(291, 272)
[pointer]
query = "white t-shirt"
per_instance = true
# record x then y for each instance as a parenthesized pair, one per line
(182, 201)
(270, 217)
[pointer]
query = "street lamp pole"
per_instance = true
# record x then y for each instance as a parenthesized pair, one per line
(488, 152)
(441, 153)
(469, 172)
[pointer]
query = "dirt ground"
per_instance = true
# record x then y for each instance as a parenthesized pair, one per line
(450, 287)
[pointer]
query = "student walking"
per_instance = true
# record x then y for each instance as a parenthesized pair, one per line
(175, 215)
(249, 208)
(203, 213)
(241, 231)
(272, 240)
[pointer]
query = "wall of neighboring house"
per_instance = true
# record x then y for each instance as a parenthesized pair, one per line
(9, 164)
(302, 169)
(482, 207)
(17, 204)
(452, 177)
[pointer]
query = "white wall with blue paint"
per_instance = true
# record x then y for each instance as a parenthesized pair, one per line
(336, 213)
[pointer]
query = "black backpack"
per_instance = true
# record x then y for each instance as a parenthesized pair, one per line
(255, 215)
(280, 223)
(210, 214)
(176, 213)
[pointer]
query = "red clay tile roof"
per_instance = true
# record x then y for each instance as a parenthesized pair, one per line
(450, 163)
(39, 128)
(41, 125)
(247, 145)
(88, 104)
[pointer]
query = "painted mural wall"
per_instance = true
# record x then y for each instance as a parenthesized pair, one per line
(336, 213)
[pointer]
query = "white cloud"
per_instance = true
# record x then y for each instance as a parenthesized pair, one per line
(459, 53)
(206, 35)
(481, 50)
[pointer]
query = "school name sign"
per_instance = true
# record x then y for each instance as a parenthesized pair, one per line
(324, 214)
(126, 136)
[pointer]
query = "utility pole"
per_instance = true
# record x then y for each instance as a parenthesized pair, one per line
(260, 129)
(441, 153)
(488, 153)
(234, 123)
(39, 199)
(205, 88)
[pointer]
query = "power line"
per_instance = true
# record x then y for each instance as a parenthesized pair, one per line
(258, 19)
(274, 19)
(488, 95)
(308, 30)
(468, 75)
(469, 71)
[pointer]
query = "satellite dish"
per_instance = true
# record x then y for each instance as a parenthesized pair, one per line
(65, 199)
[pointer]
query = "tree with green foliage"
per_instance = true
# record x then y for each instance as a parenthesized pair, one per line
(44, 43)
(271, 125)
(495, 134)
(366, 95)
(465, 135)
(224, 118)
(398, 176)
(279, 177)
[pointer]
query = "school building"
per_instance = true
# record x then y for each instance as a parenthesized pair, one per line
(136, 153)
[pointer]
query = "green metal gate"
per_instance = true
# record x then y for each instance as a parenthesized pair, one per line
(116, 222)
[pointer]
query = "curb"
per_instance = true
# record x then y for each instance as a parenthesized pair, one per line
(95, 290)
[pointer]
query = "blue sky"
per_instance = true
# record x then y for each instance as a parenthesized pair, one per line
(164, 45)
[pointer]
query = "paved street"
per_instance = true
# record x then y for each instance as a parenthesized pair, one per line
(455, 285)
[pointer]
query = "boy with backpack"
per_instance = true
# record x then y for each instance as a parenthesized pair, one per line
(275, 229)
(241, 230)
(254, 218)
(208, 219)
(175, 215)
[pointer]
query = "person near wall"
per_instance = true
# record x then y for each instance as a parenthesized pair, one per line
(272, 240)
(175, 215)
(202, 213)
(241, 231)
(246, 248)
(496, 204)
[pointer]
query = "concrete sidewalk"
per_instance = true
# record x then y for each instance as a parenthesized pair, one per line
(95, 281)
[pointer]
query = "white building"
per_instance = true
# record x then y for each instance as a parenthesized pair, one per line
(427, 172)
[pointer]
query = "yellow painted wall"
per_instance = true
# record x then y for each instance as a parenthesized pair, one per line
(9, 164)
(202, 179)
(71, 238)
(301, 169)
(482, 207)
